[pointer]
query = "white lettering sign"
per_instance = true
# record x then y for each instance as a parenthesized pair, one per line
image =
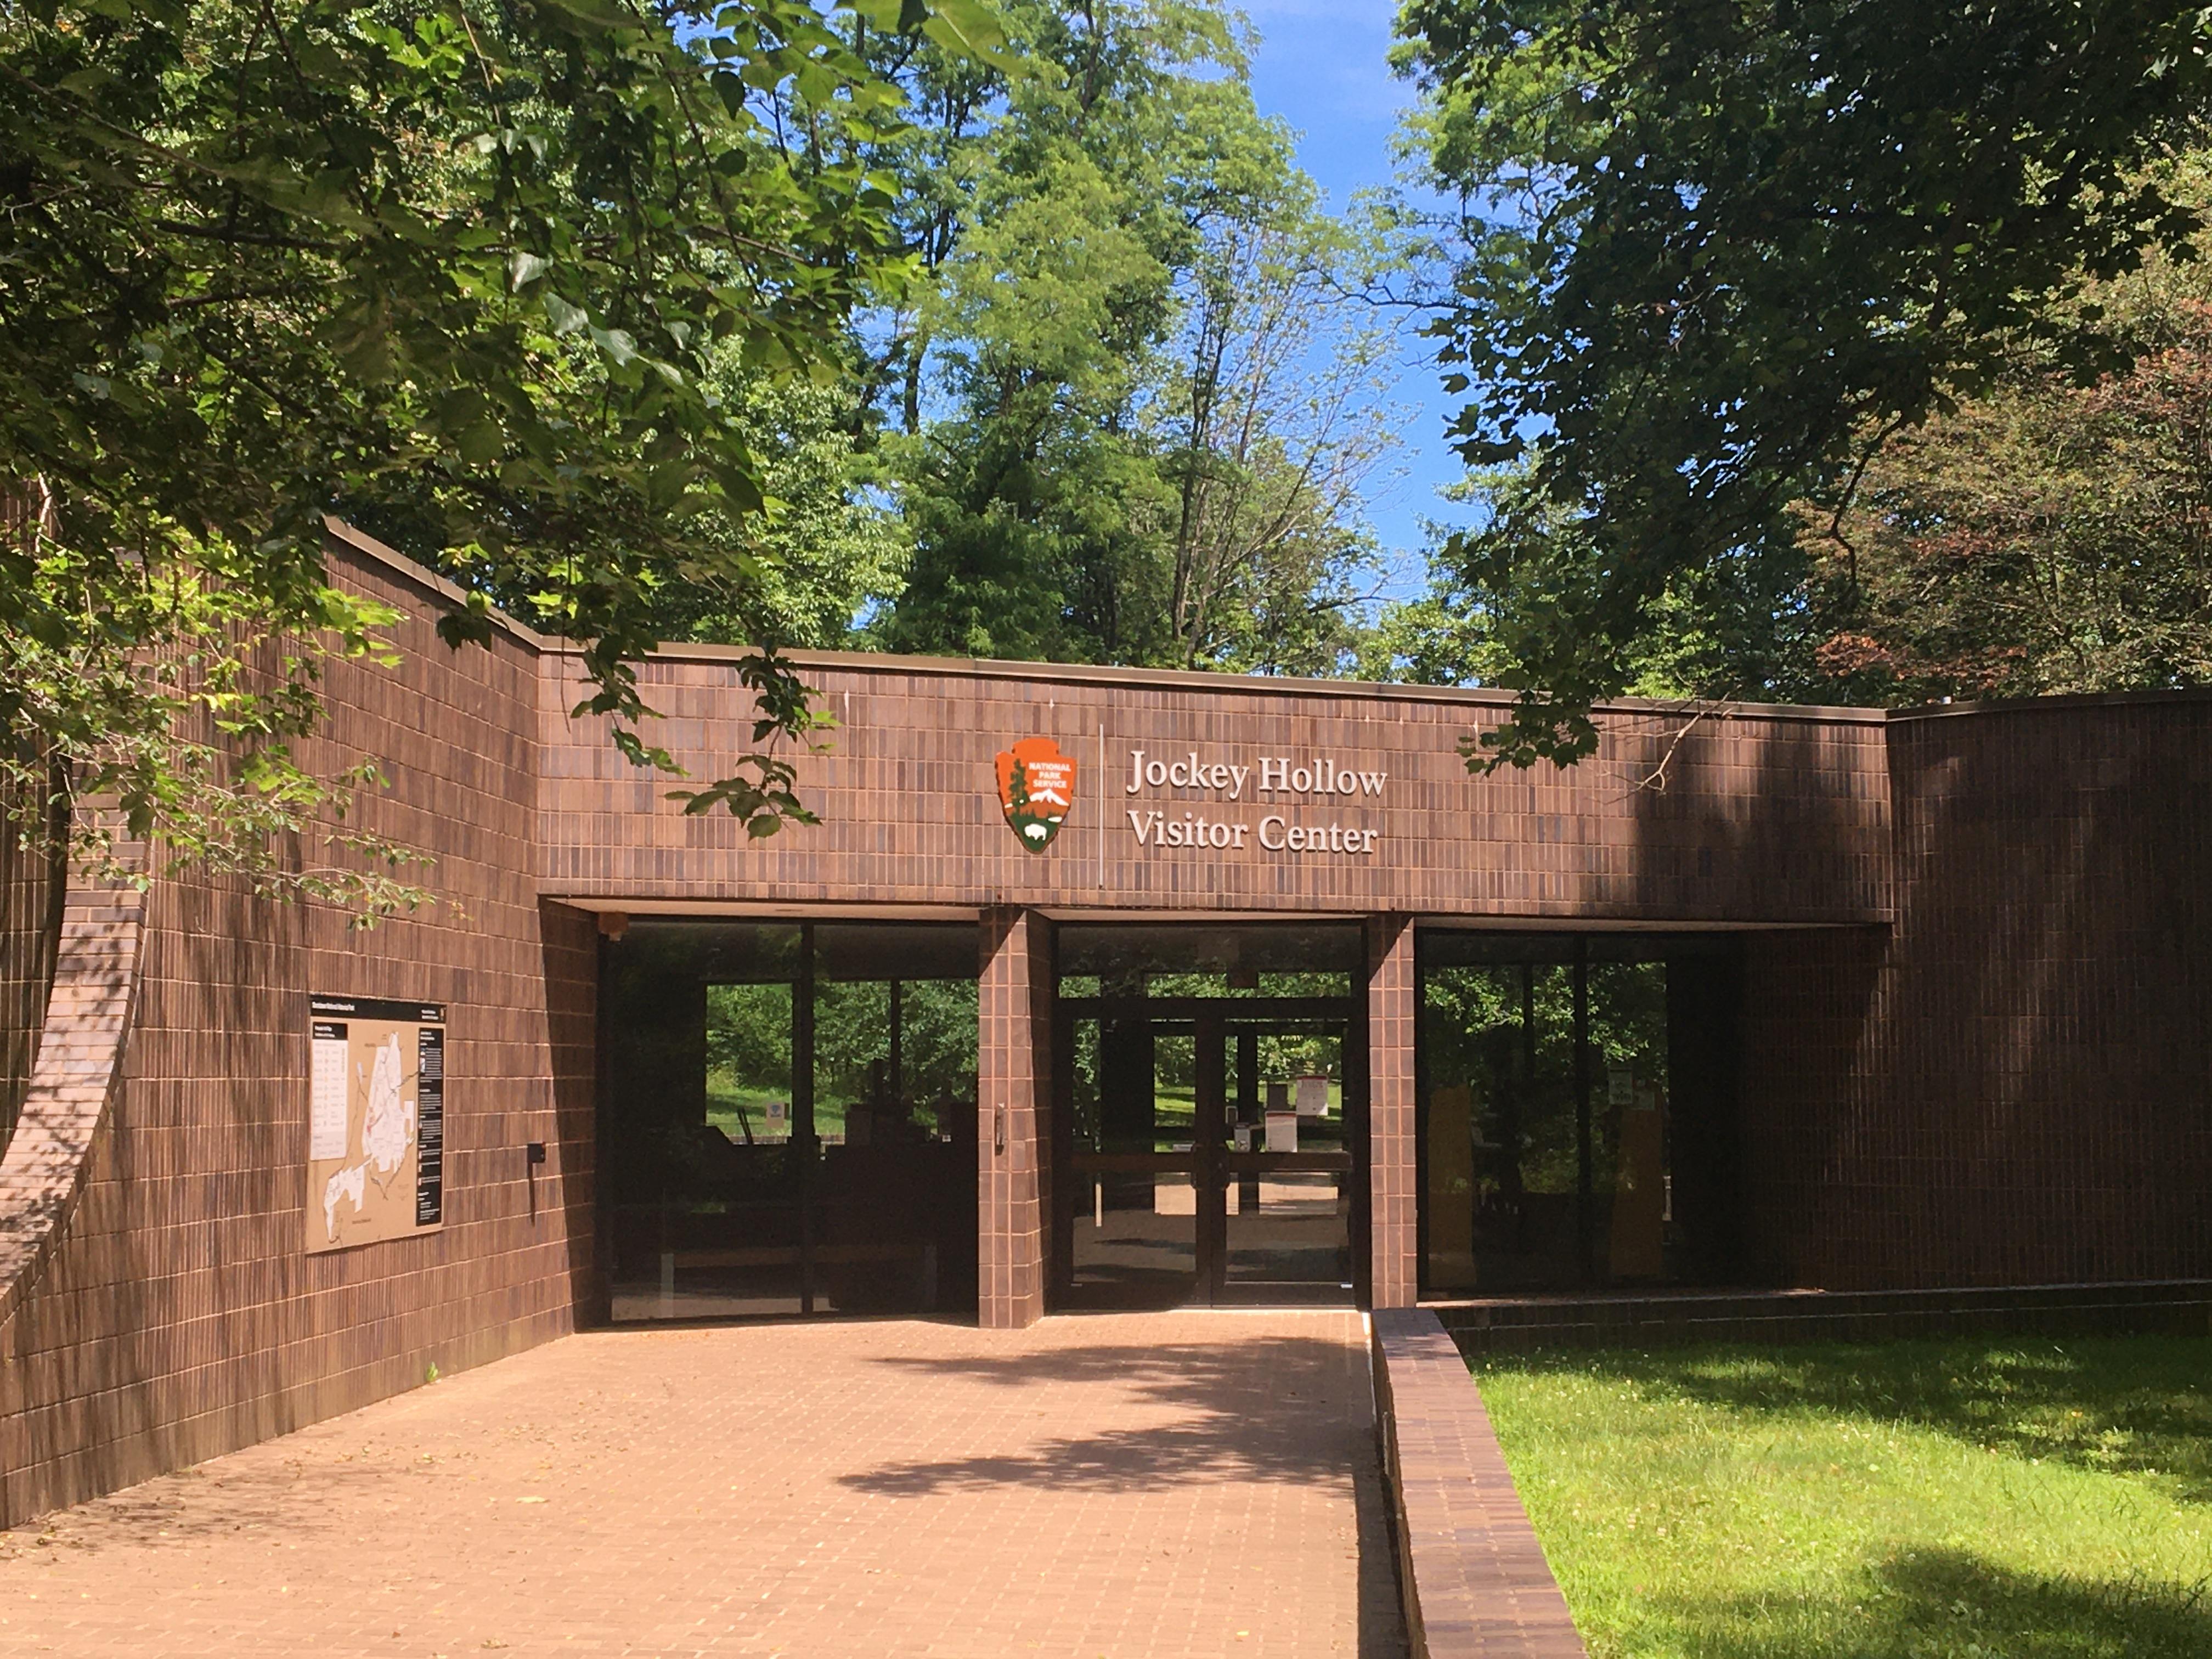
(1324, 780)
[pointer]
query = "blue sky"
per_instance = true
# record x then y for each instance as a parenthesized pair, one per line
(1321, 66)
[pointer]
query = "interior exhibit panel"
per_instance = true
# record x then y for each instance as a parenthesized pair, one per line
(787, 1112)
(1212, 1116)
(1575, 1110)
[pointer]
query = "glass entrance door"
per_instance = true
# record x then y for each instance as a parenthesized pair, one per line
(1211, 1151)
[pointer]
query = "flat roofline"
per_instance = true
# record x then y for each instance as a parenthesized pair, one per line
(754, 910)
(366, 546)
(1183, 679)
(1933, 711)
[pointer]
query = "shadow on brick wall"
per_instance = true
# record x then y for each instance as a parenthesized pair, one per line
(570, 948)
(2011, 1086)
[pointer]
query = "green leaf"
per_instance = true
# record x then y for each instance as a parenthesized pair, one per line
(566, 319)
(967, 27)
(482, 443)
(617, 343)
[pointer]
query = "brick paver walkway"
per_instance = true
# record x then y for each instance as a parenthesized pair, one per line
(1124, 1485)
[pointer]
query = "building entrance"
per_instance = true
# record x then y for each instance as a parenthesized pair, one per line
(1213, 1152)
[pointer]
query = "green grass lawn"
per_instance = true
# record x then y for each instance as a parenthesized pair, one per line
(725, 1097)
(1959, 1499)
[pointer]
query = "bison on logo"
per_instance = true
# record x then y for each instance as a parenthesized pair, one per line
(1037, 785)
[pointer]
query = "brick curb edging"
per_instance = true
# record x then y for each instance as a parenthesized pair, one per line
(73, 1083)
(1471, 1573)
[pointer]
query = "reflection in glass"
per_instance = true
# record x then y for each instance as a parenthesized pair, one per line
(1542, 1167)
(1289, 1233)
(1240, 952)
(783, 1132)
(1136, 1237)
(1211, 1158)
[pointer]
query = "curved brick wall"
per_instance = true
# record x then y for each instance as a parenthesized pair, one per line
(174, 1315)
(2014, 1085)
(65, 1110)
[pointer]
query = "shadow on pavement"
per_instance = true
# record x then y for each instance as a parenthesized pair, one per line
(1269, 1409)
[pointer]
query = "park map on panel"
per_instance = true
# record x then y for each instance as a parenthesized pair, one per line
(376, 1120)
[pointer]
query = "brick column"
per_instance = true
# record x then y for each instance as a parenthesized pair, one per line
(1013, 1140)
(1390, 1021)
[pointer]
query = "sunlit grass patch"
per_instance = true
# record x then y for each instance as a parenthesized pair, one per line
(1912, 1500)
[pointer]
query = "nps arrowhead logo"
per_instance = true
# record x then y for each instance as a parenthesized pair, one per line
(1037, 785)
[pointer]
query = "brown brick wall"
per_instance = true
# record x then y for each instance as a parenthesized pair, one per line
(1394, 1248)
(2007, 1085)
(1471, 1573)
(1770, 815)
(2014, 1086)
(177, 1316)
(1013, 1066)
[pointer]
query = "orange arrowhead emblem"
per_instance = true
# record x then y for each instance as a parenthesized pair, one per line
(1037, 787)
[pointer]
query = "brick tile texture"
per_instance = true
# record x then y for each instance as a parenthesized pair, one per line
(1127, 1485)
(31, 892)
(1975, 1051)
(1013, 1134)
(1390, 1022)
(1475, 1580)
(1774, 814)
(2010, 1086)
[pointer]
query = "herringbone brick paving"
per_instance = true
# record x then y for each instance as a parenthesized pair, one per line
(1179, 1483)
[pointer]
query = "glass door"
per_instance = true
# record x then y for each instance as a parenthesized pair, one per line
(1291, 1176)
(1210, 1151)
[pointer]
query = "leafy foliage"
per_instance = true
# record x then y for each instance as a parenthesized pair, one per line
(1134, 408)
(827, 547)
(1713, 254)
(749, 1036)
(2047, 537)
(463, 272)
(180, 708)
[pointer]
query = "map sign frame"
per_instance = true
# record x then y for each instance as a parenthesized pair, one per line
(376, 1120)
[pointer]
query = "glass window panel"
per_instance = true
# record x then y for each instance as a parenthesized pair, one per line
(1135, 1237)
(725, 1193)
(1237, 950)
(1502, 1203)
(894, 1185)
(896, 949)
(1291, 1232)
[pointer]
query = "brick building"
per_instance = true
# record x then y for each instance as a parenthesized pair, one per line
(1093, 987)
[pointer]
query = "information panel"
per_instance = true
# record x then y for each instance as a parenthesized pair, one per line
(376, 1120)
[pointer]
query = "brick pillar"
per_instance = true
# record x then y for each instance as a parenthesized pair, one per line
(1390, 1022)
(1013, 1140)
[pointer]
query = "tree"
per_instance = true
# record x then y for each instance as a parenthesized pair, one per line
(1124, 435)
(2046, 536)
(1713, 255)
(1274, 420)
(458, 269)
(826, 549)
